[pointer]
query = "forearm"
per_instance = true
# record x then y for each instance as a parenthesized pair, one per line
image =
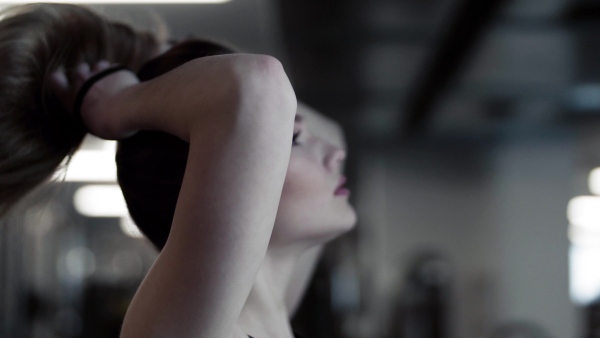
(203, 91)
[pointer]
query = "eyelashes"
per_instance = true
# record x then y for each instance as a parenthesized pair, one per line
(295, 138)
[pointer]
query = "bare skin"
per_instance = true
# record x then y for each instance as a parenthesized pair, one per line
(221, 274)
(308, 216)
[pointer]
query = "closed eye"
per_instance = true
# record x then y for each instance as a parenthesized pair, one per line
(295, 138)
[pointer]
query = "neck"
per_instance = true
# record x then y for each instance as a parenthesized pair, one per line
(265, 312)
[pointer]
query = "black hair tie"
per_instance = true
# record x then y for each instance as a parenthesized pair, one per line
(88, 84)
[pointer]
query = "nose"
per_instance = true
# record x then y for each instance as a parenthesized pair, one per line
(335, 159)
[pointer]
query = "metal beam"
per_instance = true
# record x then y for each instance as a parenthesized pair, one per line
(456, 42)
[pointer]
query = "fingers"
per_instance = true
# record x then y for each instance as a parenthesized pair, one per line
(59, 80)
(78, 77)
(60, 85)
(66, 83)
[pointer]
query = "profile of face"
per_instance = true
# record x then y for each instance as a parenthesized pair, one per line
(310, 211)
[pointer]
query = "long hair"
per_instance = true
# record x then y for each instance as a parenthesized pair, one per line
(36, 131)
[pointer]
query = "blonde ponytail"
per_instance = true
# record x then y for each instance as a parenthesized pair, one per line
(36, 131)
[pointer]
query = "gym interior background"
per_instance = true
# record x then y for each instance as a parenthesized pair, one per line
(474, 136)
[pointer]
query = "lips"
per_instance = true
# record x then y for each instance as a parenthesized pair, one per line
(341, 182)
(341, 190)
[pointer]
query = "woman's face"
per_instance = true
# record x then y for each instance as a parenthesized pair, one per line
(309, 209)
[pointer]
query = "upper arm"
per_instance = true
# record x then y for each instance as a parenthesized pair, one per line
(220, 231)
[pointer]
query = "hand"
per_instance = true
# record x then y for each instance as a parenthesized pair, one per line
(98, 111)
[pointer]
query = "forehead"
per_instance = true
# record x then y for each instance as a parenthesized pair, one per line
(321, 126)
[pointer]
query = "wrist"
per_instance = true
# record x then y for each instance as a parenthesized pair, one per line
(103, 108)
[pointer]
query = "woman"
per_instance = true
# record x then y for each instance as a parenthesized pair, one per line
(205, 163)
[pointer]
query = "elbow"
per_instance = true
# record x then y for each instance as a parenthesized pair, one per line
(246, 92)
(264, 84)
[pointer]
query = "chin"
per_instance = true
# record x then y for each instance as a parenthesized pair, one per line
(313, 235)
(312, 225)
(333, 230)
(348, 219)
(326, 238)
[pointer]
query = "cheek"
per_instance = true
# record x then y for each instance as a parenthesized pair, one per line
(308, 208)
(305, 182)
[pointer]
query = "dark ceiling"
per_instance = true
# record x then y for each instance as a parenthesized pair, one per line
(391, 69)
(396, 68)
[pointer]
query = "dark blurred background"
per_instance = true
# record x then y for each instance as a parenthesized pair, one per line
(474, 134)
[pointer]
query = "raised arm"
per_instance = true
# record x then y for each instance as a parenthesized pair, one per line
(237, 111)
(202, 91)
(240, 140)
